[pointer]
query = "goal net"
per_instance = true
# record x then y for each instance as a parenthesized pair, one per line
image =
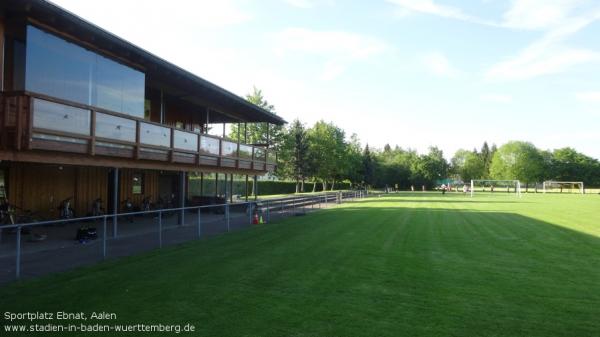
(563, 187)
(496, 186)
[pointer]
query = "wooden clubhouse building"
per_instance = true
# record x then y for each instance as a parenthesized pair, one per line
(88, 115)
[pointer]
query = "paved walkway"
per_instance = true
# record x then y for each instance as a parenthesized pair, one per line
(61, 251)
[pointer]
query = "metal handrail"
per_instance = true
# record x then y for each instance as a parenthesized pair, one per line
(163, 210)
(339, 197)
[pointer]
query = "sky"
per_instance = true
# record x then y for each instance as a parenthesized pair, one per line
(412, 73)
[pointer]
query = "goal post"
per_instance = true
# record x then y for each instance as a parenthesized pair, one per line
(551, 185)
(497, 186)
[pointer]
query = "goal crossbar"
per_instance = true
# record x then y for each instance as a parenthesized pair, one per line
(492, 182)
(550, 183)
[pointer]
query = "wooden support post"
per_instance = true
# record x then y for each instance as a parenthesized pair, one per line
(115, 199)
(246, 187)
(255, 187)
(182, 195)
(216, 184)
(201, 183)
(231, 188)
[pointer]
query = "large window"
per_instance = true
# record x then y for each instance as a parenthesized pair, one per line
(61, 69)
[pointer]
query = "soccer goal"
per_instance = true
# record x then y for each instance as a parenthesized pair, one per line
(566, 186)
(496, 186)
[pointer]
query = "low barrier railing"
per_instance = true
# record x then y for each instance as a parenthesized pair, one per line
(252, 209)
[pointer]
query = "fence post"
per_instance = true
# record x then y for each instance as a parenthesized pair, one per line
(227, 215)
(160, 229)
(304, 205)
(293, 205)
(18, 266)
(199, 223)
(268, 213)
(250, 206)
(115, 220)
(104, 238)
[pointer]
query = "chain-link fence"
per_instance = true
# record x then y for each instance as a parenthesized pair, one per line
(34, 249)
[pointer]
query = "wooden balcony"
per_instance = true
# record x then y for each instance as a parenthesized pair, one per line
(44, 126)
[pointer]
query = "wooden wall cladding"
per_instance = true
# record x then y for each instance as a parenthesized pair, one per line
(92, 183)
(41, 188)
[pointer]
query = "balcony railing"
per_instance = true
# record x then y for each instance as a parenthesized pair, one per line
(38, 122)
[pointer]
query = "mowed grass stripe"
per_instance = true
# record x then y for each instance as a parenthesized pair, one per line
(413, 264)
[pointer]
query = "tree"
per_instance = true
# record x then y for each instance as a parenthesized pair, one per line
(258, 133)
(430, 167)
(468, 165)
(486, 155)
(327, 152)
(567, 164)
(294, 155)
(367, 167)
(354, 161)
(519, 161)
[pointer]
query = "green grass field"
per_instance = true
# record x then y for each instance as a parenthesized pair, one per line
(418, 264)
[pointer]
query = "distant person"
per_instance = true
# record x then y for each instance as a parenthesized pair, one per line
(465, 188)
(492, 188)
(412, 188)
(443, 189)
(423, 188)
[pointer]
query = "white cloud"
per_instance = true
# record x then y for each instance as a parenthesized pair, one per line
(588, 96)
(190, 14)
(300, 3)
(438, 64)
(496, 98)
(338, 48)
(547, 55)
(538, 14)
(431, 7)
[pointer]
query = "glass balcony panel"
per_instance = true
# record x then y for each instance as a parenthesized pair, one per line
(185, 140)
(116, 128)
(245, 151)
(155, 135)
(209, 145)
(228, 149)
(58, 117)
(259, 154)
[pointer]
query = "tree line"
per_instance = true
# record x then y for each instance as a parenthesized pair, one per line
(324, 153)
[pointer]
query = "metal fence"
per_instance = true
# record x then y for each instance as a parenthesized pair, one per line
(44, 247)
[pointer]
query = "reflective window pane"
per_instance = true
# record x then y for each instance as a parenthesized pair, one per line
(62, 69)
(113, 127)
(59, 117)
(57, 68)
